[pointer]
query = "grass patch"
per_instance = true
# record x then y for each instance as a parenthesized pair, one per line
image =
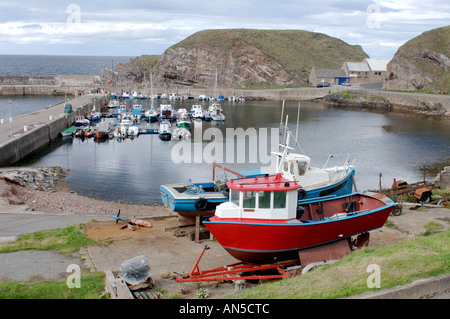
(400, 264)
(348, 95)
(377, 98)
(65, 240)
(432, 227)
(92, 286)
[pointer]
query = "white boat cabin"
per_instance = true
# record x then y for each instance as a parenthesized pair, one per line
(164, 126)
(297, 167)
(263, 197)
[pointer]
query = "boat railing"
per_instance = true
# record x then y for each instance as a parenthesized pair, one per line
(347, 214)
(301, 201)
(346, 163)
(225, 169)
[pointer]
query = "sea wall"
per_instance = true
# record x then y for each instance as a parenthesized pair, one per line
(428, 103)
(424, 104)
(290, 94)
(48, 85)
(23, 143)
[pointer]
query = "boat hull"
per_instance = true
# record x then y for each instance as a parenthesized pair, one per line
(175, 198)
(165, 136)
(101, 134)
(178, 199)
(257, 241)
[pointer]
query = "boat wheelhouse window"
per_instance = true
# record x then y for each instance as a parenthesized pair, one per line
(291, 168)
(302, 167)
(286, 166)
(249, 199)
(279, 199)
(264, 199)
(234, 197)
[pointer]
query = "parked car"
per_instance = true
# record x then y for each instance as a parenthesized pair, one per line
(323, 85)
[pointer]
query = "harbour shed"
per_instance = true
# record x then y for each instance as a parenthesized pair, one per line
(378, 69)
(332, 76)
(357, 71)
(368, 70)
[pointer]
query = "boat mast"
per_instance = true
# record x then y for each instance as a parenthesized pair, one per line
(298, 119)
(285, 150)
(151, 88)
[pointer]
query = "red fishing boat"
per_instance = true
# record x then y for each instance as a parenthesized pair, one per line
(264, 221)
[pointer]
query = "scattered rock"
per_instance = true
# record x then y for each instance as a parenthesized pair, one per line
(41, 178)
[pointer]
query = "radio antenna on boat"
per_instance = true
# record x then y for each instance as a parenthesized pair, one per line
(284, 146)
(281, 119)
(285, 133)
(298, 119)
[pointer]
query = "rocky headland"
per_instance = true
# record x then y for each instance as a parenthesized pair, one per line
(423, 63)
(240, 58)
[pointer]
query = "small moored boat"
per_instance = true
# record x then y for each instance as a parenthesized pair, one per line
(167, 112)
(216, 112)
(70, 131)
(165, 133)
(183, 120)
(81, 121)
(197, 112)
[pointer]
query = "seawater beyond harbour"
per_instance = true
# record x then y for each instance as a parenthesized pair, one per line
(46, 65)
(132, 170)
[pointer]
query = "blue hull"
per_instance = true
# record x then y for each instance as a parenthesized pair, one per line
(189, 204)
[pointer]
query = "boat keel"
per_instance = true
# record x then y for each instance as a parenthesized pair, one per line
(329, 252)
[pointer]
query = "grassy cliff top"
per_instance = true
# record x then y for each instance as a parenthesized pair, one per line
(296, 50)
(437, 40)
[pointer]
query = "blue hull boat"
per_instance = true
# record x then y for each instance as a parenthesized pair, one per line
(191, 199)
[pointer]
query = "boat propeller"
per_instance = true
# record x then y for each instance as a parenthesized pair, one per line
(117, 218)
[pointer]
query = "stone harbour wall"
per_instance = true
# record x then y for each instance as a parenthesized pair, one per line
(42, 127)
(48, 85)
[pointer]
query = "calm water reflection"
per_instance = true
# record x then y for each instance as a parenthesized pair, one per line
(133, 170)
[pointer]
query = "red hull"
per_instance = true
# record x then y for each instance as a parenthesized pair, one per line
(251, 240)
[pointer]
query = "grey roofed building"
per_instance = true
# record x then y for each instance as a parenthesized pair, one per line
(377, 65)
(329, 73)
(369, 70)
(357, 66)
(325, 75)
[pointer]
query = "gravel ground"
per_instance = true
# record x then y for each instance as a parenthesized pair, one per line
(61, 199)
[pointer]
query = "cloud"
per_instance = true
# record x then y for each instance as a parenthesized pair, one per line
(149, 27)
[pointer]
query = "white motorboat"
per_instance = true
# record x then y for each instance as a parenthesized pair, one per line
(133, 131)
(216, 112)
(197, 111)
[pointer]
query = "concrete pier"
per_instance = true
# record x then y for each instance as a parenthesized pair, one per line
(26, 133)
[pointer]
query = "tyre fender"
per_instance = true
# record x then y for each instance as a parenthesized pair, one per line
(301, 194)
(201, 204)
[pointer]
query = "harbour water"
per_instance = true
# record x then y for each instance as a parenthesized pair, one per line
(132, 170)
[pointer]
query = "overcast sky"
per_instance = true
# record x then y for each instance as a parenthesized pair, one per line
(132, 28)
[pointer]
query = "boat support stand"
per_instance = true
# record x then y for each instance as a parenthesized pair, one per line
(238, 272)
